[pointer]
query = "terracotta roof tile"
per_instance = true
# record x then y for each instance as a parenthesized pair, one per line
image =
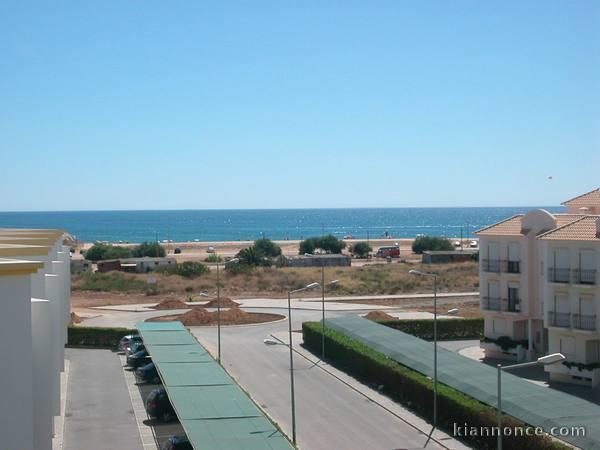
(587, 199)
(583, 229)
(507, 227)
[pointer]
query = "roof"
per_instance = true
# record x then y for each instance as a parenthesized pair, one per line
(583, 229)
(318, 256)
(589, 198)
(19, 267)
(23, 250)
(466, 251)
(506, 227)
(535, 405)
(214, 411)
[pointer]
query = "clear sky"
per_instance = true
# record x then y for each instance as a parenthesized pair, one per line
(271, 104)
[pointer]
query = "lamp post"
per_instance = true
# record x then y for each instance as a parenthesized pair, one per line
(272, 342)
(553, 358)
(332, 282)
(234, 260)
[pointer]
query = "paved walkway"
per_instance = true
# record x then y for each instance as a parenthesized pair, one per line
(99, 414)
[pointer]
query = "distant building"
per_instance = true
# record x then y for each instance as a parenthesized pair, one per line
(317, 260)
(539, 288)
(80, 265)
(138, 265)
(437, 257)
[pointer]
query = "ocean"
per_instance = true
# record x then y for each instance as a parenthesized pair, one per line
(277, 224)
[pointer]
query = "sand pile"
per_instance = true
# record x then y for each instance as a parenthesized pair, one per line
(171, 304)
(196, 316)
(379, 315)
(226, 302)
(75, 318)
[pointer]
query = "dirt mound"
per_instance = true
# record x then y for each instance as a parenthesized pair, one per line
(198, 316)
(171, 304)
(226, 302)
(75, 318)
(379, 315)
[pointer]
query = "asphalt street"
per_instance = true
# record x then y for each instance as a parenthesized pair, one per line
(98, 414)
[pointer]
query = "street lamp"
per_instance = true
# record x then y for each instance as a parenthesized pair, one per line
(272, 342)
(553, 358)
(331, 283)
(418, 273)
(219, 307)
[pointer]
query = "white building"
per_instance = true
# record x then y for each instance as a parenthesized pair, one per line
(539, 288)
(34, 314)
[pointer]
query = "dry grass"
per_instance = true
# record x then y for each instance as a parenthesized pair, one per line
(275, 282)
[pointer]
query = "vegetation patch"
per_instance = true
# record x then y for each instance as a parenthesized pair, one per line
(506, 342)
(96, 336)
(415, 390)
(109, 282)
(431, 243)
(447, 329)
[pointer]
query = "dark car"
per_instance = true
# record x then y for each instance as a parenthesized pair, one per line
(126, 341)
(177, 250)
(147, 374)
(137, 359)
(177, 443)
(135, 347)
(158, 405)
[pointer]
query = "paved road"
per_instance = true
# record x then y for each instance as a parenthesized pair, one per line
(329, 413)
(99, 414)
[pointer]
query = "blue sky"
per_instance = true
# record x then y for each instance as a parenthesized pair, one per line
(271, 104)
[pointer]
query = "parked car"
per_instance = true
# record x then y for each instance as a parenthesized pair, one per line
(177, 443)
(210, 250)
(147, 374)
(138, 359)
(473, 244)
(177, 250)
(392, 251)
(134, 348)
(127, 340)
(158, 405)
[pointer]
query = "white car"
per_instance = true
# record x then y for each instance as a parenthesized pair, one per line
(210, 250)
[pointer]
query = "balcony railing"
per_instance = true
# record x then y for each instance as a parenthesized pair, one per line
(511, 266)
(491, 265)
(557, 319)
(559, 275)
(584, 322)
(584, 276)
(491, 303)
(511, 304)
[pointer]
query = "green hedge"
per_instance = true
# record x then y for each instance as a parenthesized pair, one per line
(506, 342)
(415, 390)
(447, 329)
(96, 336)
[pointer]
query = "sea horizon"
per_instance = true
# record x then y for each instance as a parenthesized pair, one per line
(278, 224)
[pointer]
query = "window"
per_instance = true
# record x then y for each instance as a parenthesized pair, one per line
(592, 351)
(513, 298)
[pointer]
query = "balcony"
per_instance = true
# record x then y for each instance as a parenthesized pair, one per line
(584, 276)
(490, 265)
(512, 267)
(559, 275)
(511, 304)
(557, 319)
(584, 322)
(491, 303)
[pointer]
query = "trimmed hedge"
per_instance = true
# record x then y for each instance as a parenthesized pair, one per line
(415, 390)
(96, 336)
(506, 342)
(447, 329)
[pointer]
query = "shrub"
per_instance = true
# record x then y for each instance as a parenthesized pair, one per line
(191, 269)
(361, 249)
(433, 243)
(267, 248)
(415, 390)
(96, 336)
(99, 252)
(213, 258)
(152, 249)
(251, 256)
(447, 329)
(506, 342)
(329, 244)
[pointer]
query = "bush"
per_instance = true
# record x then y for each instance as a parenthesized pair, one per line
(152, 249)
(361, 249)
(96, 336)
(415, 390)
(267, 247)
(329, 244)
(506, 342)
(213, 258)
(432, 243)
(99, 252)
(447, 329)
(191, 269)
